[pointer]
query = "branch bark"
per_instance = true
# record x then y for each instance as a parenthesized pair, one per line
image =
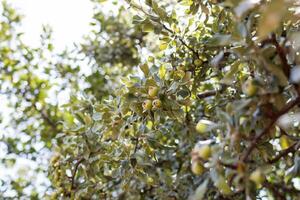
(209, 93)
(293, 148)
(75, 172)
(182, 41)
(254, 142)
(282, 54)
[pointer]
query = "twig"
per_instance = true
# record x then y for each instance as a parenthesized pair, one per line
(275, 191)
(283, 132)
(182, 41)
(294, 147)
(231, 166)
(282, 54)
(209, 93)
(75, 172)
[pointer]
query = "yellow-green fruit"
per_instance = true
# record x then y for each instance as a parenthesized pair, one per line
(284, 142)
(150, 180)
(152, 91)
(202, 127)
(179, 74)
(198, 62)
(197, 168)
(156, 103)
(204, 152)
(147, 105)
(257, 177)
(249, 88)
(151, 59)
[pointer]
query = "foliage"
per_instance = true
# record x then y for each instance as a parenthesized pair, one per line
(223, 66)
(36, 81)
(211, 112)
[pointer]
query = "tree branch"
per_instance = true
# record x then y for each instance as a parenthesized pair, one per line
(231, 166)
(277, 187)
(282, 55)
(209, 93)
(75, 172)
(293, 148)
(283, 111)
(277, 195)
(182, 41)
(283, 132)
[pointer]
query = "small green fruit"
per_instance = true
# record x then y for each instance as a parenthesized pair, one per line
(156, 103)
(151, 59)
(179, 74)
(198, 62)
(257, 177)
(150, 180)
(203, 126)
(147, 105)
(197, 168)
(204, 152)
(152, 91)
(284, 142)
(249, 88)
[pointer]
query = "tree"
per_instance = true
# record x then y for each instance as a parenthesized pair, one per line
(211, 111)
(223, 88)
(33, 81)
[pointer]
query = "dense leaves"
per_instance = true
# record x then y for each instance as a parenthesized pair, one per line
(215, 91)
(186, 100)
(35, 82)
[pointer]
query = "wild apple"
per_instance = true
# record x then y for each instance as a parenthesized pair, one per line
(152, 91)
(147, 105)
(156, 104)
(197, 168)
(257, 177)
(198, 62)
(204, 152)
(249, 88)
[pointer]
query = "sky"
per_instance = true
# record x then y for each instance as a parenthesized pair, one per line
(69, 19)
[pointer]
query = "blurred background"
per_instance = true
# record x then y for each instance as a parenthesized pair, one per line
(49, 49)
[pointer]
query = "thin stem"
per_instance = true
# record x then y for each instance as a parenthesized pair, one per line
(75, 172)
(293, 148)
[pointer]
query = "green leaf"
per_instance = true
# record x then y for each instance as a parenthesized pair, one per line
(137, 19)
(200, 191)
(145, 69)
(271, 18)
(219, 40)
(162, 71)
(163, 46)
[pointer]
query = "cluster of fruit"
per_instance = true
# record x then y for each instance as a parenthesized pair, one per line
(153, 103)
(181, 73)
(200, 155)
